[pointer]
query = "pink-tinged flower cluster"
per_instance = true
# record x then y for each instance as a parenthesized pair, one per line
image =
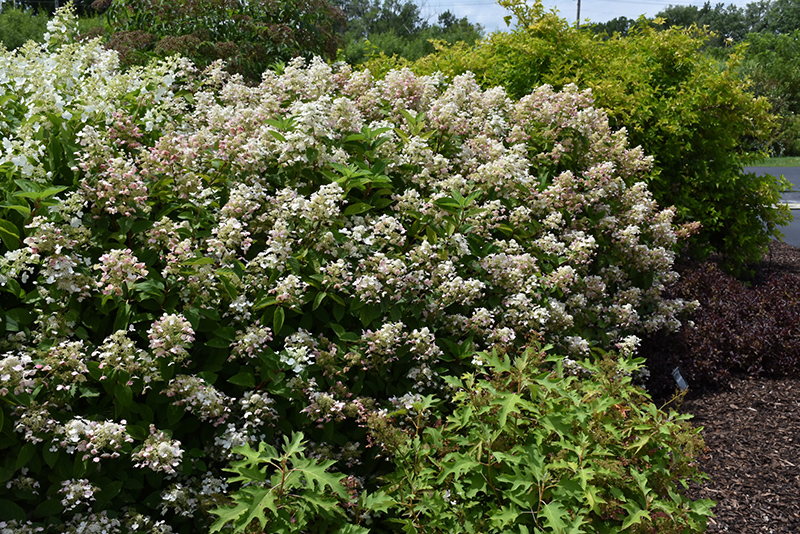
(199, 397)
(119, 353)
(95, 439)
(17, 374)
(119, 189)
(118, 270)
(159, 452)
(64, 365)
(76, 492)
(170, 338)
(251, 342)
(35, 421)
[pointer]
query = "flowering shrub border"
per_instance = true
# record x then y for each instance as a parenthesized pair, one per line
(192, 264)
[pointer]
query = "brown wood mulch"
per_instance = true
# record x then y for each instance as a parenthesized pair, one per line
(752, 435)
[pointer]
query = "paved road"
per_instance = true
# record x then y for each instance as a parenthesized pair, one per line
(791, 232)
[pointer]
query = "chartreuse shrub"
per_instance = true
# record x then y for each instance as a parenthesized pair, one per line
(544, 444)
(694, 114)
(202, 277)
(535, 444)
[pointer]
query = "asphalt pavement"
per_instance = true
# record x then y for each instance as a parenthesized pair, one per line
(791, 232)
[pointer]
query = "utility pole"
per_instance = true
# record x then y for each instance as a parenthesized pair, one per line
(578, 20)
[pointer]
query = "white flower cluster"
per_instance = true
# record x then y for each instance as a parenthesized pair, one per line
(119, 269)
(170, 336)
(24, 483)
(159, 452)
(251, 342)
(75, 492)
(95, 439)
(15, 527)
(199, 397)
(17, 373)
(96, 523)
(119, 353)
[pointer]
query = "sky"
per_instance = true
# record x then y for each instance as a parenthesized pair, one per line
(490, 15)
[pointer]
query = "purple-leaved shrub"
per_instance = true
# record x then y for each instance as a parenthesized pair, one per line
(193, 265)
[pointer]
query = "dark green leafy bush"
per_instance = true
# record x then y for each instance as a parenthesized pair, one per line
(249, 36)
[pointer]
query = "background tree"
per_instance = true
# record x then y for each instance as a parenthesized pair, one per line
(619, 25)
(82, 7)
(727, 22)
(249, 36)
(773, 64)
(395, 28)
(18, 25)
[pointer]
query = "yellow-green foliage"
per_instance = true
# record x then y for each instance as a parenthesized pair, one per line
(692, 113)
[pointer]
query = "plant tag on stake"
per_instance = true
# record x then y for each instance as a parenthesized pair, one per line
(676, 374)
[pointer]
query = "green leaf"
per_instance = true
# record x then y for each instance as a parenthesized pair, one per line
(230, 289)
(22, 209)
(355, 209)
(137, 432)
(277, 135)
(123, 395)
(20, 316)
(509, 403)
(318, 300)
(368, 314)
(25, 454)
(506, 515)
(11, 510)
(316, 475)
(9, 234)
(217, 343)
(50, 457)
(226, 332)
(259, 499)
(555, 516)
(244, 379)
(634, 517)
(197, 261)
(277, 320)
(353, 529)
(123, 317)
(378, 501)
(49, 508)
(108, 491)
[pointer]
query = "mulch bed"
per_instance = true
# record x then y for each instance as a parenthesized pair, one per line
(752, 434)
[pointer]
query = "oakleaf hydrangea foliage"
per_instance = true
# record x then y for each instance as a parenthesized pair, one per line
(192, 265)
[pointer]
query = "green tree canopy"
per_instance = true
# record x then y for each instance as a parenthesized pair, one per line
(396, 28)
(733, 22)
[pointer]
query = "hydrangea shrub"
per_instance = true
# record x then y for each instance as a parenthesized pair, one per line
(192, 265)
